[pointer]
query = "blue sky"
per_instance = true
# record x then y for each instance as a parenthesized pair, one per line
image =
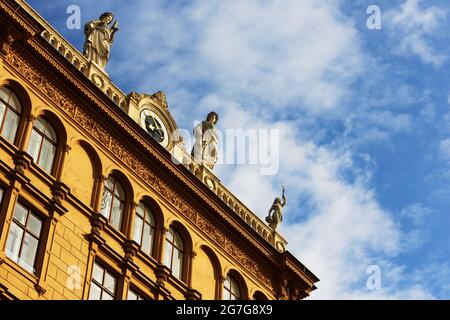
(364, 120)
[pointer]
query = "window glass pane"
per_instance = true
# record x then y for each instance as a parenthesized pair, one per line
(235, 288)
(132, 295)
(177, 263)
(118, 191)
(137, 233)
(34, 225)
(140, 209)
(2, 111)
(110, 282)
(47, 155)
(105, 207)
(14, 102)
(226, 283)
(109, 183)
(107, 296)
(4, 94)
(20, 213)
(10, 126)
(97, 273)
(28, 254)
(95, 292)
(149, 216)
(14, 240)
(168, 253)
(148, 239)
(1, 195)
(226, 294)
(40, 124)
(169, 235)
(116, 214)
(34, 145)
(50, 132)
(178, 241)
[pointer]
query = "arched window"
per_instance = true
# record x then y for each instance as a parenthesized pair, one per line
(173, 253)
(10, 110)
(113, 202)
(42, 146)
(144, 228)
(231, 289)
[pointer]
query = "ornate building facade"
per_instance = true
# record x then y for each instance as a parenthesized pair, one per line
(92, 205)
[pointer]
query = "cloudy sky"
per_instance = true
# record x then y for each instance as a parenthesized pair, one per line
(363, 117)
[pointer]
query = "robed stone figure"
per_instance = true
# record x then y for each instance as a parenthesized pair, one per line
(99, 37)
(205, 149)
(276, 212)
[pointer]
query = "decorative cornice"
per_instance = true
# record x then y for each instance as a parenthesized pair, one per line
(18, 19)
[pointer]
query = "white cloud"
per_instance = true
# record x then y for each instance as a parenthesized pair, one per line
(417, 213)
(411, 25)
(344, 231)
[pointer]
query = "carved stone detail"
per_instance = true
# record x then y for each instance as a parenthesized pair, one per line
(40, 290)
(22, 161)
(162, 274)
(131, 248)
(160, 98)
(60, 192)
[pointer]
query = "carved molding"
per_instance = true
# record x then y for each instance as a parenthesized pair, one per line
(22, 161)
(160, 98)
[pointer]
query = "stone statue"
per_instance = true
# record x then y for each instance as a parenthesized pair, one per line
(205, 149)
(276, 211)
(99, 37)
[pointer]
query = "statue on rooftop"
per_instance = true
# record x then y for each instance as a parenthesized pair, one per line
(276, 211)
(205, 149)
(99, 38)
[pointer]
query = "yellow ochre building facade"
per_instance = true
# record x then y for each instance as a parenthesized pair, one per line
(93, 207)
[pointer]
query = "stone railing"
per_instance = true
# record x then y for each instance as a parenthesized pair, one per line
(97, 75)
(100, 78)
(213, 183)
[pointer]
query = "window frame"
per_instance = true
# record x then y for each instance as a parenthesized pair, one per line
(14, 111)
(230, 289)
(113, 198)
(43, 137)
(139, 295)
(173, 247)
(40, 239)
(144, 223)
(102, 287)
